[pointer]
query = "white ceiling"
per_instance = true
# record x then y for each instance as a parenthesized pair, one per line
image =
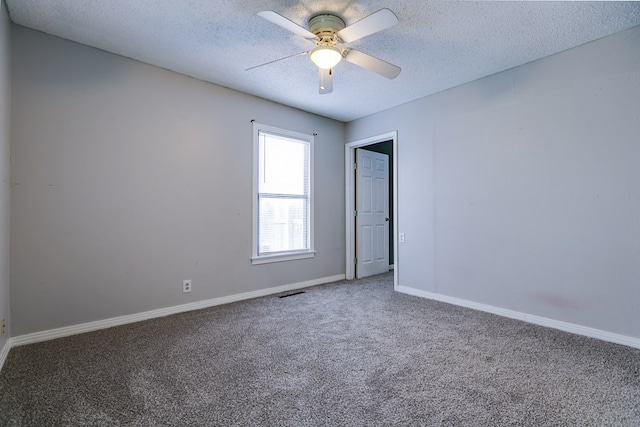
(438, 44)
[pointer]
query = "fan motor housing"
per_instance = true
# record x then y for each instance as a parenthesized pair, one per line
(325, 23)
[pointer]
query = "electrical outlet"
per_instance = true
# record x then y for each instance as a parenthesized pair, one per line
(2, 327)
(186, 286)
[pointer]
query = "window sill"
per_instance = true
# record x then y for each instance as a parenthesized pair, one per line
(266, 259)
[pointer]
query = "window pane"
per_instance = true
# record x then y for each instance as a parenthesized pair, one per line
(282, 224)
(283, 165)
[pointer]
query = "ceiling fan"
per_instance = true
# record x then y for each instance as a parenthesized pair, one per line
(329, 32)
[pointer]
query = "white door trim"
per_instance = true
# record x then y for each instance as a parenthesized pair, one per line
(350, 156)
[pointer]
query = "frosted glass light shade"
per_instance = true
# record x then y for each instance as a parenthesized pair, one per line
(326, 56)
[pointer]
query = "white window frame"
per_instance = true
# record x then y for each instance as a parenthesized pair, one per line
(282, 256)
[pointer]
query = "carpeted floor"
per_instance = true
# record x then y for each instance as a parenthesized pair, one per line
(348, 353)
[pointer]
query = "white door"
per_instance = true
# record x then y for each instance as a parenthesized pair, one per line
(372, 213)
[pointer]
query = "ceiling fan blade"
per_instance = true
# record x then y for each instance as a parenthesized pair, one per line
(280, 59)
(286, 24)
(326, 80)
(372, 63)
(377, 21)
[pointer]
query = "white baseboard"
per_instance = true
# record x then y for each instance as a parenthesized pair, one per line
(132, 318)
(123, 320)
(4, 352)
(529, 318)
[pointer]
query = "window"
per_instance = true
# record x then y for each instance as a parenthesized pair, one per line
(283, 195)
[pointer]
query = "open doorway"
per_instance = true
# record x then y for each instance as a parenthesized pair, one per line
(385, 144)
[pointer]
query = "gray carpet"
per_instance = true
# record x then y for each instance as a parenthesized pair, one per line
(348, 353)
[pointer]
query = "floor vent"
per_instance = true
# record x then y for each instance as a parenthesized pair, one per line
(290, 295)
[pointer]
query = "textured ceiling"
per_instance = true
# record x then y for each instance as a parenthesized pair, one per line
(438, 44)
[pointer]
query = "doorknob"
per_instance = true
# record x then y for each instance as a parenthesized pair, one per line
(386, 219)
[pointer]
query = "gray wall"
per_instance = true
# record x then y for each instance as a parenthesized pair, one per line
(5, 101)
(522, 190)
(128, 178)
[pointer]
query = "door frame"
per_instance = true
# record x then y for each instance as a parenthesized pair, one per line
(350, 195)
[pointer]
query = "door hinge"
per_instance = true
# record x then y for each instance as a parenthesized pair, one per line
(355, 260)
(355, 165)
(355, 213)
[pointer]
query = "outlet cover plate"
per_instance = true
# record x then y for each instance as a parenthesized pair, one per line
(186, 286)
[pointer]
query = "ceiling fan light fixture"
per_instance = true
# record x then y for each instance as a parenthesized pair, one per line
(326, 57)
